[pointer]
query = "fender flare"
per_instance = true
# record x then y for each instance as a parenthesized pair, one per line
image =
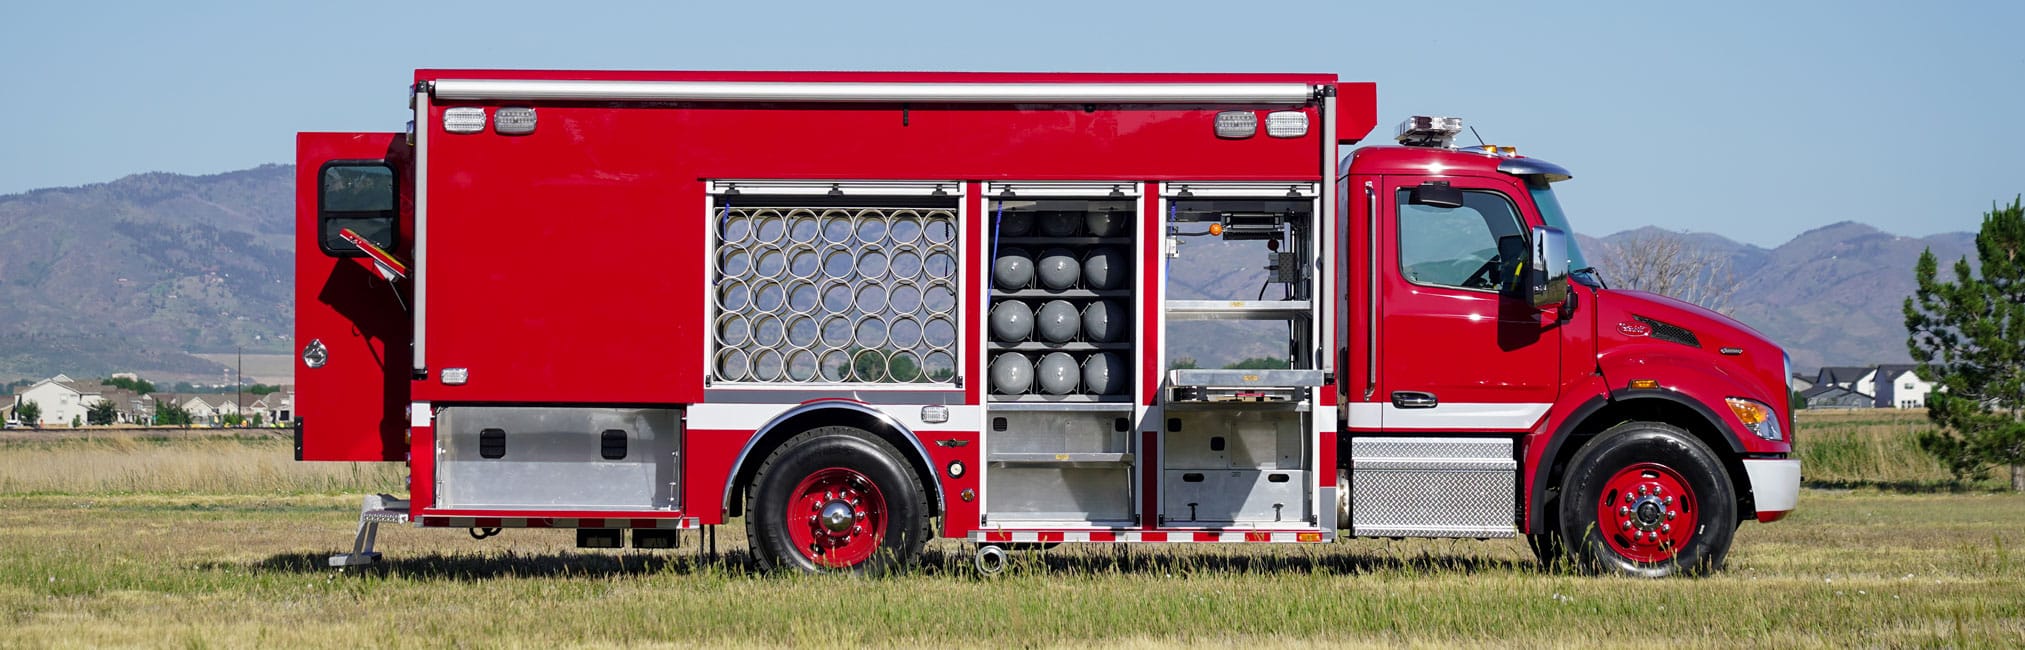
(894, 429)
(1544, 477)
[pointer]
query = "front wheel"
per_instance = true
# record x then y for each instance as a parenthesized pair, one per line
(1647, 499)
(836, 499)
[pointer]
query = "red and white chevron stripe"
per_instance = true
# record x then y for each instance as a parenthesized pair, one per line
(1150, 537)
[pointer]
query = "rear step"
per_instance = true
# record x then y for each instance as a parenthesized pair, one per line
(378, 509)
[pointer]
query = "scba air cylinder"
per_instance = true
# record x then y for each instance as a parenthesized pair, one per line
(1013, 271)
(1104, 373)
(1011, 374)
(1058, 269)
(1058, 321)
(1058, 374)
(1012, 321)
(1105, 268)
(1104, 321)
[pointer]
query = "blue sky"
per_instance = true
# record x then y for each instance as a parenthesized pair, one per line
(1757, 121)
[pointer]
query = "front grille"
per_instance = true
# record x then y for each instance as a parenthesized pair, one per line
(1666, 331)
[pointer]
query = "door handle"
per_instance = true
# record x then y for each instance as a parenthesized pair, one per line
(1409, 399)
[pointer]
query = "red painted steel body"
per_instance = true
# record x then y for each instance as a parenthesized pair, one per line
(565, 267)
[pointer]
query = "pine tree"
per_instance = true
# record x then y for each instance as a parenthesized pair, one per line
(1969, 334)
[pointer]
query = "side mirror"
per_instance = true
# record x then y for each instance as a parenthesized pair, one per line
(1547, 271)
(1437, 194)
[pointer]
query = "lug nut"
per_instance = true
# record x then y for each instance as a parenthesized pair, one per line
(1641, 490)
(1669, 501)
(1671, 514)
(1624, 511)
(1629, 496)
(1625, 525)
(1666, 528)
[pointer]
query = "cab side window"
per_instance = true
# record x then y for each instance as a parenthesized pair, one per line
(1455, 247)
(360, 196)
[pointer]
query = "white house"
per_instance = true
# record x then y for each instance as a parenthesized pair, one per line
(62, 400)
(1900, 386)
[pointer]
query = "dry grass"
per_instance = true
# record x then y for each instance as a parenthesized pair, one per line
(221, 543)
(1872, 448)
(217, 464)
(1850, 569)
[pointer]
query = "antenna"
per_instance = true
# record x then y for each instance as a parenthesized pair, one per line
(1480, 139)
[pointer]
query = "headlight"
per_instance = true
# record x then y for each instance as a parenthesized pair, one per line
(1757, 417)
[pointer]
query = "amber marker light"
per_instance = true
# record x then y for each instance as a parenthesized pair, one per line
(1645, 384)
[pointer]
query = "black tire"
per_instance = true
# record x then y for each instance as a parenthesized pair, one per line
(1630, 458)
(829, 452)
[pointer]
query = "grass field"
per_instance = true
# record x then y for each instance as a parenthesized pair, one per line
(221, 541)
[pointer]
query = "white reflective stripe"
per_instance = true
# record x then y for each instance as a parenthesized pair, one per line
(1026, 537)
(1364, 415)
(751, 417)
(1464, 416)
(1775, 483)
(777, 91)
(420, 415)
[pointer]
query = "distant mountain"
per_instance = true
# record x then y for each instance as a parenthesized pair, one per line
(136, 274)
(141, 273)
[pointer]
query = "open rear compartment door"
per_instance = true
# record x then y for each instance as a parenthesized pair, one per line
(353, 232)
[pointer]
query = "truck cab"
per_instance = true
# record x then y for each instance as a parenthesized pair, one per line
(1643, 427)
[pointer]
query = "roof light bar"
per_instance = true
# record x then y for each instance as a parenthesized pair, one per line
(1426, 131)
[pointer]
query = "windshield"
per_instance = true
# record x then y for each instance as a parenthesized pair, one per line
(1550, 211)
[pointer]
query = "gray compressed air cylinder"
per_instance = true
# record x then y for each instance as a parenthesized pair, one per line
(1013, 271)
(1106, 223)
(1011, 374)
(1058, 321)
(1104, 374)
(1060, 224)
(1105, 321)
(1058, 373)
(1058, 269)
(1015, 224)
(1105, 268)
(1012, 321)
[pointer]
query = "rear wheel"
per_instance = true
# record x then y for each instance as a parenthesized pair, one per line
(836, 499)
(1647, 499)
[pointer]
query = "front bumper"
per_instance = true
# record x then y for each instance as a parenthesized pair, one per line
(1775, 486)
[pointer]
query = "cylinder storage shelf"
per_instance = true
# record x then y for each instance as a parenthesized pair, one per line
(1061, 348)
(1061, 281)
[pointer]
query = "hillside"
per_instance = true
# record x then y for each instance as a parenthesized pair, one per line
(143, 273)
(138, 273)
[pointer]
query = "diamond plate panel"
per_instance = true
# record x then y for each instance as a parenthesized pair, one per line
(1432, 487)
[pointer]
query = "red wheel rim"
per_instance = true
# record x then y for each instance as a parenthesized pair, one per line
(1647, 512)
(837, 517)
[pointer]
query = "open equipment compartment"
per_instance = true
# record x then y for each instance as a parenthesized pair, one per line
(1062, 345)
(1238, 448)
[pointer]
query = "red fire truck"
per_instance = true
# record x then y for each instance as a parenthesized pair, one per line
(864, 310)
